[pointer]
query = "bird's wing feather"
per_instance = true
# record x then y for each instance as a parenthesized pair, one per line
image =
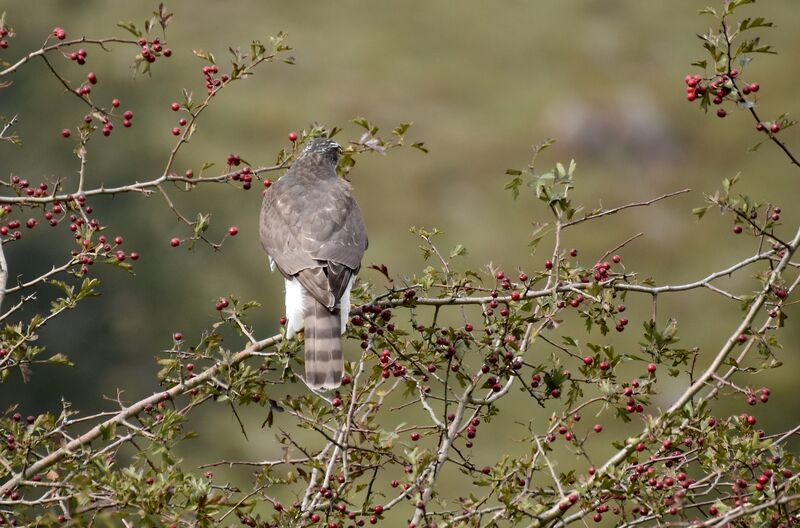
(308, 224)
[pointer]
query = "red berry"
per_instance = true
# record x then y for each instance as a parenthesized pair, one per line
(616, 259)
(515, 296)
(134, 255)
(127, 115)
(775, 128)
(176, 131)
(175, 242)
(741, 338)
(59, 33)
(598, 428)
(415, 436)
(754, 87)
(548, 264)
(92, 77)
(115, 103)
(336, 402)
(760, 127)
(292, 136)
(737, 229)
(233, 231)
(126, 123)
(721, 112)
(31, 223)
(651, 368)
(66, 133)
(182, 122)
(588, 360)
(175, 107)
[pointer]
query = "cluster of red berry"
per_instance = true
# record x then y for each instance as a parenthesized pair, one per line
(245, 175)
(721, 88)
(150, 50)
(78, 56)
(212, 83)
(5, 32)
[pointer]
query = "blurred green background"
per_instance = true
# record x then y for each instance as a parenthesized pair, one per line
(481, 81)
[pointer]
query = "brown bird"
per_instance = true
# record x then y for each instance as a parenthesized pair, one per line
(314, 233)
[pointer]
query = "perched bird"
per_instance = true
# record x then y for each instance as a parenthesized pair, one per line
(314, 233)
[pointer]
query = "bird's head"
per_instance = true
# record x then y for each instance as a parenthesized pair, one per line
(322, 150)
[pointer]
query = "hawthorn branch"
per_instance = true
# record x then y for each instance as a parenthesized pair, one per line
(555, 512)
(46, 49)
(8, 125)
(751, 107)
(441, 455)
(3, 274)
(133, 410)
(145, 187)
(614, 282)
(600, 214)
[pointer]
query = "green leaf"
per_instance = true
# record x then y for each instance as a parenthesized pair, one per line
(458, 251)
(204, 55)
(401, 129)
(700, 212)
(60, 359)
(108, 431)
(131, 28)
(514, 186)
(363, 123)
(420, 146)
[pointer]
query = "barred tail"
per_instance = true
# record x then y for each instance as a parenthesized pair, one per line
(323, 342)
